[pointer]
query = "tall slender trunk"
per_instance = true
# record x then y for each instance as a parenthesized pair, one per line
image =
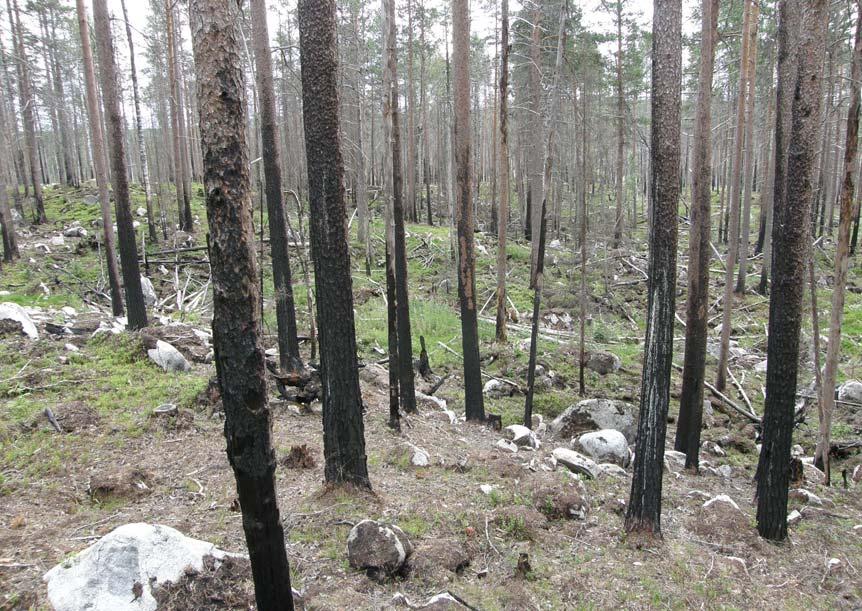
(644, 509)
(503, 207)
(833, 348)
(619, 218)
(100, 160)
(744, 238)
(791, 244)
(139, 130)
(473, 399)
(28, 103)
(60, 100)
(411, 125)
(534, 160)
(183, 197)
(343, 429)
(285, 311)
(691, 399)
(135, 309)
(732, 234)
(237, 332)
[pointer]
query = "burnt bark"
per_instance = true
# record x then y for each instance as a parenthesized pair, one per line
(503, 207)
(343, 429)
(136, 311)
(790, 237)
(644, 511)
(239, 357)
(473, 399)
(285, 310)
(694, 366)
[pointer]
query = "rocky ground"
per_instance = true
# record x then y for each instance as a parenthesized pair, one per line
(101, 428)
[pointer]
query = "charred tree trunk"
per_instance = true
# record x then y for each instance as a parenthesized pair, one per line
(644, 511)
(135, 309)
(183, 196)
(236, 323)
(694, 365)
(343, 429)
(790, 242)
(827, 390)
(503, 207)
(285, 311)
(473, 399)
(100, 161)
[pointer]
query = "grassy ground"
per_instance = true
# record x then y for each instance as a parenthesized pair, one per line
(107, 390)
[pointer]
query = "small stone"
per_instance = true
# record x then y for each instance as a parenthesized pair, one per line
(725, 471)
(420, 458)
(71, 347)
(487, 489)
(607, 468)
(721, 499)
(150, 296)
(796, 451)
(675, 456)
(804, 496)
(608, 445)
(603, 363)
(857, 474)
(168, 358)
(496, 389)
(378, 546)
(576, 462)
(851, 391)
(507, 445)
(522, 436)
(57, 240)
(710, 447)
(698, 494)
(141, 211)
(14, 312)
(794, 518)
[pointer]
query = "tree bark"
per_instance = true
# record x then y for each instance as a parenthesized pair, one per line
(343, 429)
(60, 99)
(697, 305)
(135, 309)
(239, 357)
(618, 223)
(473, 399)
(833, 349)
(744, 238)
(139, 130)
(177, 121)
(503, 207)
(790, 242)
(285, 311)
(644, 511)
(100, 161)
(732, 232)
(28, 103)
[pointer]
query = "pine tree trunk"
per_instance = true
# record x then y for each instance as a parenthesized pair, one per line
(833, 349)
(473, 399)
(183, 197)
(411, 131)
(790, 242)
(503, 207)
(732, 231)
(60, 98)
(343, 436)
(644, 511)
(28, 102)
(136, 310)
(285, 311)
(618, 223)
(236, 323)
(139, 130)
(697, 306)
(99, 159)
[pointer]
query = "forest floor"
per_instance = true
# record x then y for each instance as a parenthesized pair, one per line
(117, 461)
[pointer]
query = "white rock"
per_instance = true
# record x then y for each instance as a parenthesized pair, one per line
(14, 312)
(141, 211)
(801, 494)
(71, 347)
(522, 436)
(486, 489)
(495, 388)
(101, 577)
(760, 367)
(378, 546)
(796, 451)
(419, 457)
(794, 518)
(721, 499)
(135, 224)
(725, 471)
(576, 462)
(851, 391)
(607, 445)
(857, 474)
(69, 311)
(713, 448)
(676, 456)
(57, 240)
(149, 291)
(595, 415)
(168, 358)
(508, 446)
(607, 468)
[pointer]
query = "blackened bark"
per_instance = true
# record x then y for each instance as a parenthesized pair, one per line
(534, 329)
(175, 98)
(236, 324)
(503, 209)
(790, 244)
(343, 429)
(473, 399)
(392, 335)
(691, 398)
(135, 309)
(10, 242)
(285, 311)
(99, 158)
(644, 510)
(407, 390)
(28, 102)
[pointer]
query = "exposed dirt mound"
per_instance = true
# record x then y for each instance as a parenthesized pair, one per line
(128, 483)
(225, 584)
